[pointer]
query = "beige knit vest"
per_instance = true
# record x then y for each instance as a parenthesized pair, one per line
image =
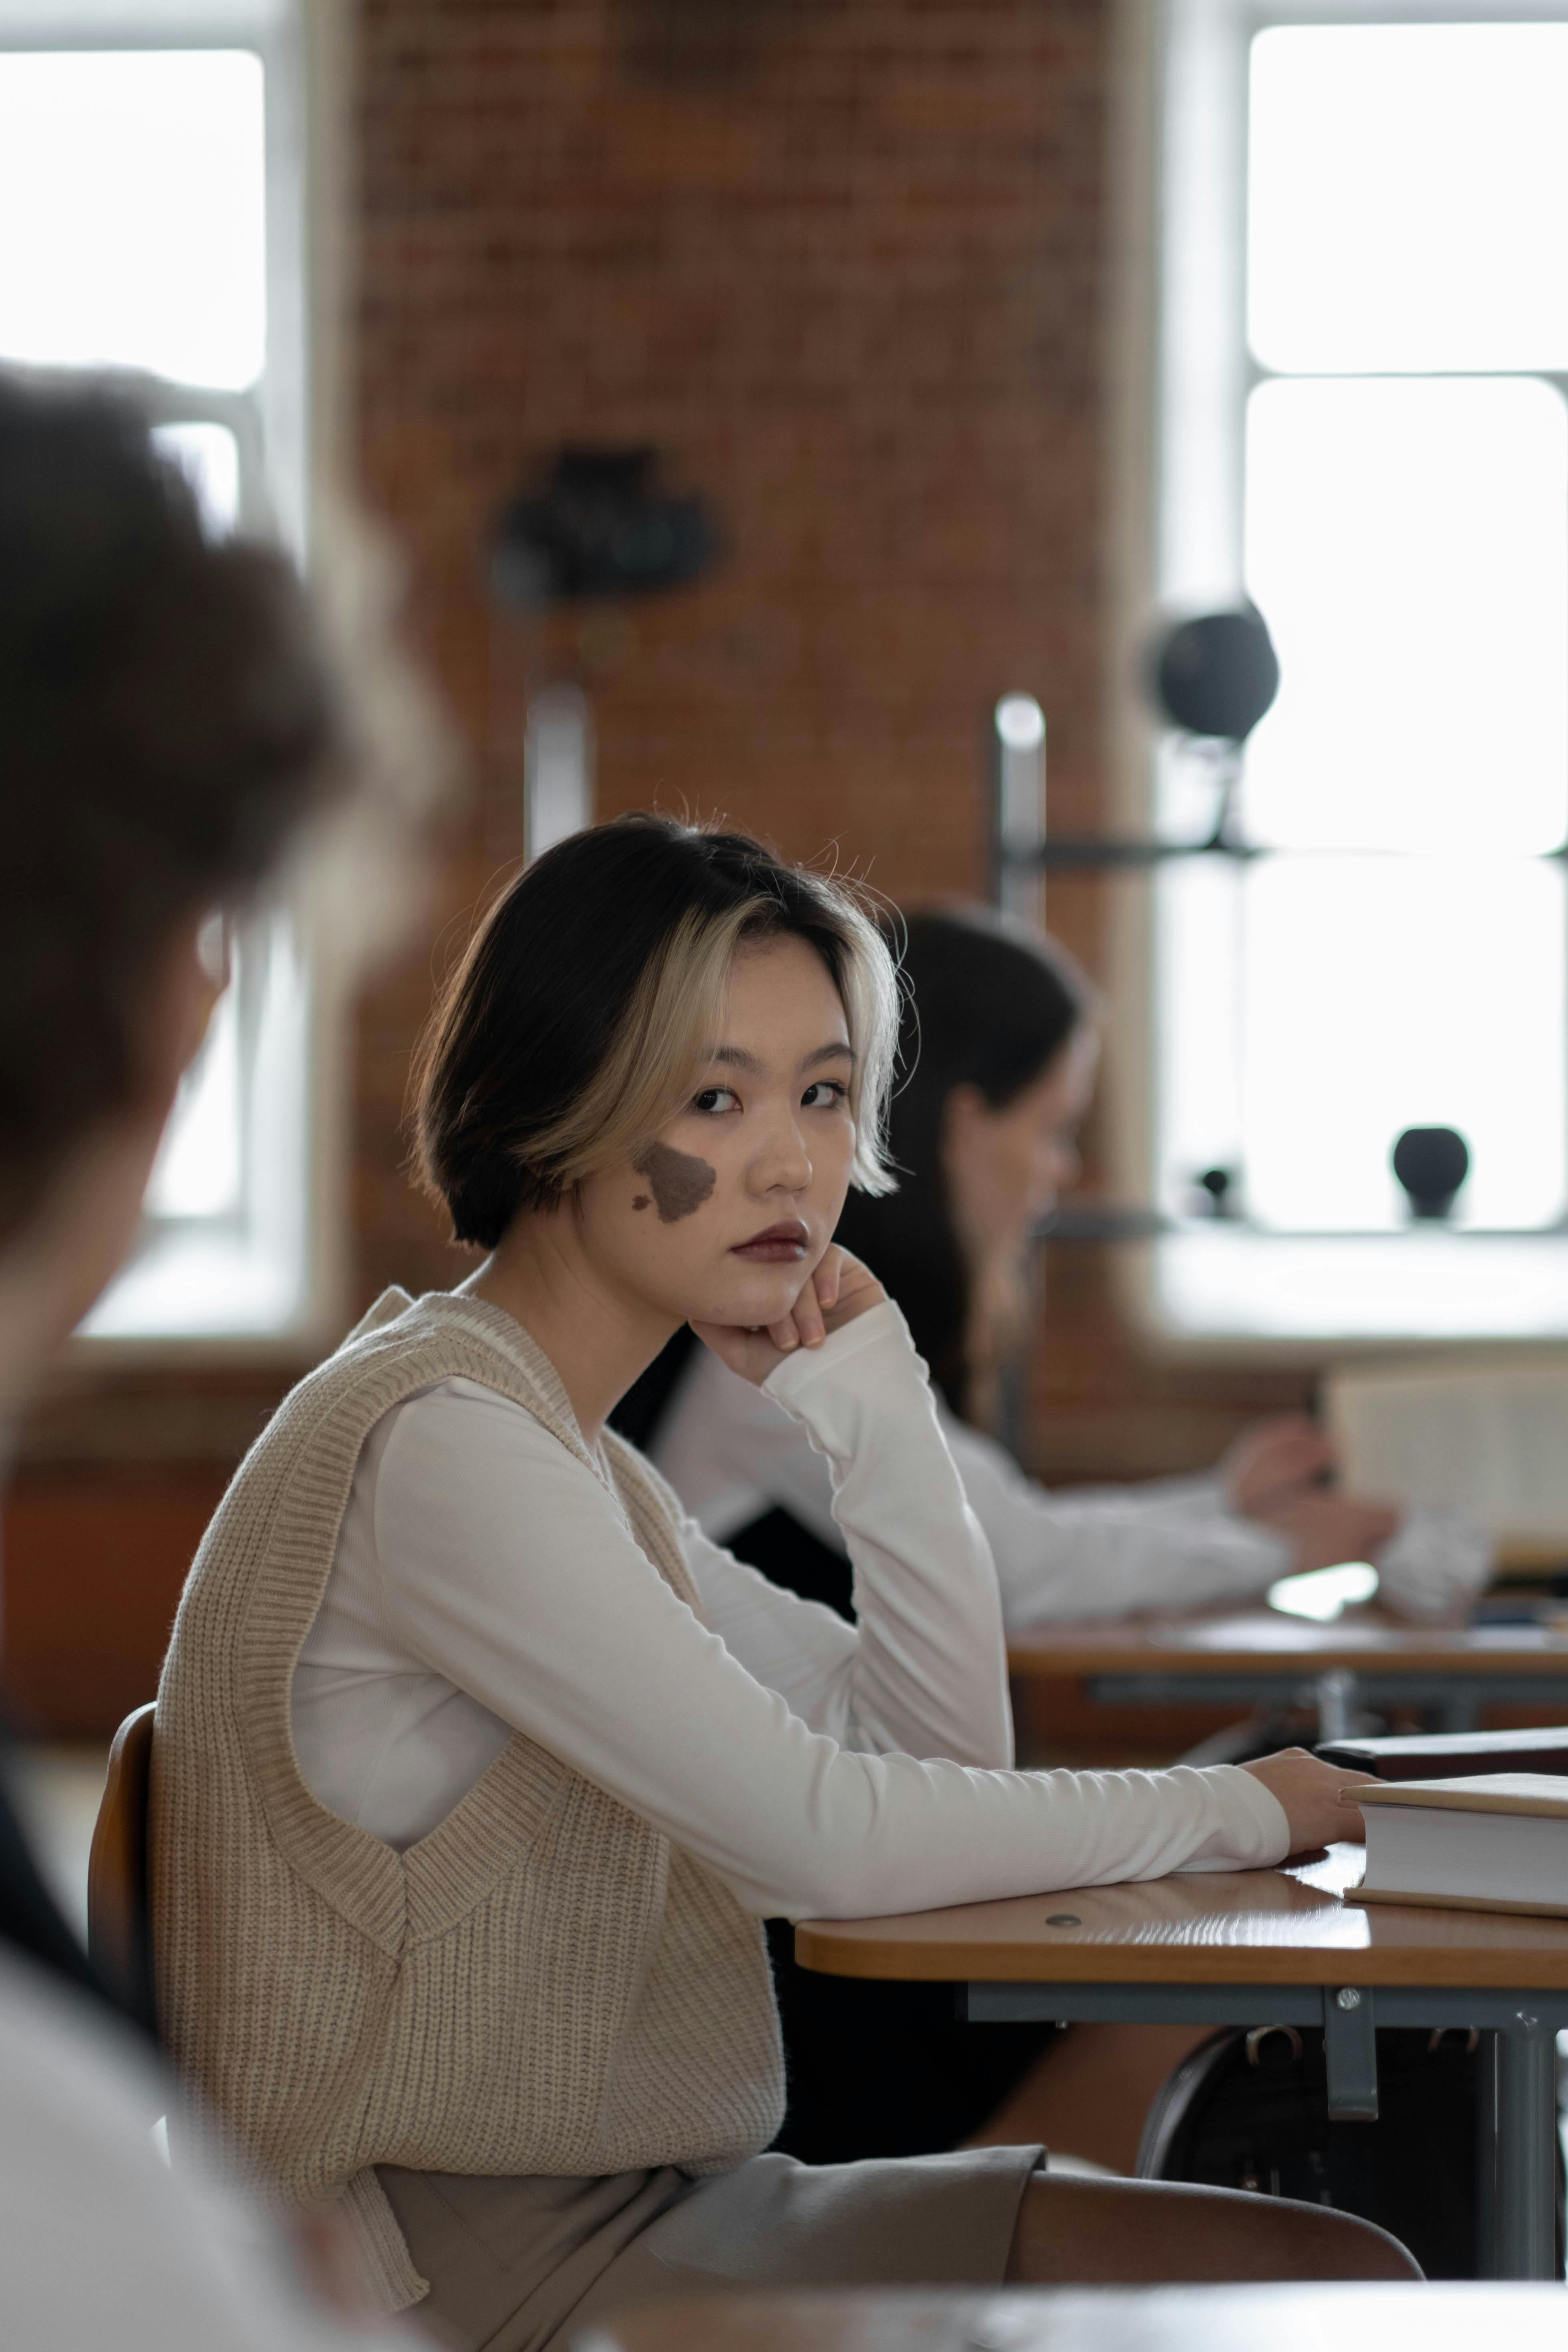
(544, 1984)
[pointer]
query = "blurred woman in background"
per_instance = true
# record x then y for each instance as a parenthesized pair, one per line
(1001, 1049)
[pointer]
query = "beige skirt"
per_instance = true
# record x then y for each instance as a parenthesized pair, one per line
(512, 2261)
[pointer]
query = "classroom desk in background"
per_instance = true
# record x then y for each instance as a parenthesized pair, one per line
(1256, 1658)
(1079, 2319)
(1266, 1947)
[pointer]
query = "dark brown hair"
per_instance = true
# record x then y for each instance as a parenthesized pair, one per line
(165, 720)
(987, 1005)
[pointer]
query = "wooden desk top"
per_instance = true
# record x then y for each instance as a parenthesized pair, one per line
(1225, 1927)
(1244, 1641)
(1075, 2319)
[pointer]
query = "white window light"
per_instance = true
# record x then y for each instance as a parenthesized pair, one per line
(150, 202)
(208, 457)
(1363, 363)
(1407, 188)
(135, 184)
(227, 1238)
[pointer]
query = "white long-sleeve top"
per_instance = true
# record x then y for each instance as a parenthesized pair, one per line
(485, 1579)
(1173, 1543)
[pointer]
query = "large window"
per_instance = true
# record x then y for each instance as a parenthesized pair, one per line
(1363, 355)
(150, 200)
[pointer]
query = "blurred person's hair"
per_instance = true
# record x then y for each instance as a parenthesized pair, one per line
(988, 1004)
(569, 1034)
(166, 720)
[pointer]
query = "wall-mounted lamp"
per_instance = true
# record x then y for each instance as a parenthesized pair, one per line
(1211, 679)
(1019, 802)
(596, 529)
(600, 525)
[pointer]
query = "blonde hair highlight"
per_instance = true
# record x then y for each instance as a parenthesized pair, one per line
(673, 1019)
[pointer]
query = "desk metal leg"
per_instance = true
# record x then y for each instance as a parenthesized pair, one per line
(1520, 2029)
(1524, 2220)
(1350, 2053)
(1486, 2159)
(1336, 1695)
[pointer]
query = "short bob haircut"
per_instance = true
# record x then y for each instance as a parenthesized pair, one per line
(569, 1034)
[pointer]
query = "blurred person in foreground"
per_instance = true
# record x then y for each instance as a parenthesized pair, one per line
(167, 726)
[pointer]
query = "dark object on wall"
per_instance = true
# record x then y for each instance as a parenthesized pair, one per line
(1431, 1163)
(600, 527)
(707, 45)
(1216, 676)
(1250, 2111)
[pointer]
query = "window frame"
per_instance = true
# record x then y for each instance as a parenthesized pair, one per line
(283, 1258)
(1185, 373)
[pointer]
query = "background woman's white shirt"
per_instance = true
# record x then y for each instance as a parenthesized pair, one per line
(486, 1580)
(731, 1455)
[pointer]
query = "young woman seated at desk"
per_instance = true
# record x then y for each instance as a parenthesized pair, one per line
(478, 1766)
(998, 1055)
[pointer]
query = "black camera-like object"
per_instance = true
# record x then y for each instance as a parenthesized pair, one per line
(600, 527)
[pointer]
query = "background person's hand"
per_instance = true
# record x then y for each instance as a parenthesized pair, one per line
(1309, 1790)
(840, 1289)
(1324, 1528)
(1279, 1462)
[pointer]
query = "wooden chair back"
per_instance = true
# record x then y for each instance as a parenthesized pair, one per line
(119, 1925)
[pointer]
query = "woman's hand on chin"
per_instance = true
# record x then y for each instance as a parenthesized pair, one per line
(840, 1289)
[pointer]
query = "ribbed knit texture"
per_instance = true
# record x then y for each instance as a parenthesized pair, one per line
(544, 1984)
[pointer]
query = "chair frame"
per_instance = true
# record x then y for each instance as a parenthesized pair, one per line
(119, 1919)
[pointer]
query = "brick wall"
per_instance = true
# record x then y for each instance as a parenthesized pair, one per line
(842, 262)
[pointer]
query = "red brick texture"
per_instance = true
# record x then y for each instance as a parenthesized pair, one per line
(841, 261)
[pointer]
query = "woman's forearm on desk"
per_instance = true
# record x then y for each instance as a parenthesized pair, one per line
(558, 1624)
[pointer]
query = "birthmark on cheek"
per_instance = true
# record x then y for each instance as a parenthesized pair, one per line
(642, 1202)
(679, 1182)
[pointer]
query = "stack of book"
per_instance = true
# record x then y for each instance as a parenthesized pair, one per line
(1496, 1841)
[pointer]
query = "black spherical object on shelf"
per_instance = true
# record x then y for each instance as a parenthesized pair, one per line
(1218, 1184)
(1217, 675)
(1431, 1163)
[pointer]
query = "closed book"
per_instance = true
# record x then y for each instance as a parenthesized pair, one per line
(1492, 1842)
(1450, 1755)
